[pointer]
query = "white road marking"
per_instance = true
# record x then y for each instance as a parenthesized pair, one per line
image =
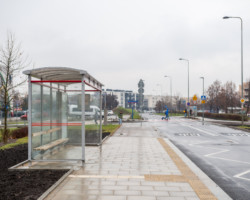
(206, 132)
(242, 174)
(198, 143)
(211, 155)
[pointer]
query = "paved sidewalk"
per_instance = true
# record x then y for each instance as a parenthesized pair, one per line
(135, 164)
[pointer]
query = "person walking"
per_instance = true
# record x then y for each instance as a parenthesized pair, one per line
(166, 113)
(185, 112)
(120, 115)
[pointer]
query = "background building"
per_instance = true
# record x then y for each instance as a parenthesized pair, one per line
(123, 96)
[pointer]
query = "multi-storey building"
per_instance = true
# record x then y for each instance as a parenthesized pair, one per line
(123, 96)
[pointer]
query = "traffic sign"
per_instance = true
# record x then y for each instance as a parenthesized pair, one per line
(188, 103)
(242, 100)
(183, 102)
(203, 97)
(203, 101)
(141, 90)
(195, 98)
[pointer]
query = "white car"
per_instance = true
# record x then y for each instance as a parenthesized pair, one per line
(89, 113)
(110, 112)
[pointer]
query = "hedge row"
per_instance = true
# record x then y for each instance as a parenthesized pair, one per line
(223, 116)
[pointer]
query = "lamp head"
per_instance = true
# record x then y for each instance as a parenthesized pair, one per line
(226, 17)
(180, 59)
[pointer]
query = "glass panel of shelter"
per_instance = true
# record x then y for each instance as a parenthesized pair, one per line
(56, 120)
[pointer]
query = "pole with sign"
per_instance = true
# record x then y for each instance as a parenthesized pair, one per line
(203, 100)
(132, 102)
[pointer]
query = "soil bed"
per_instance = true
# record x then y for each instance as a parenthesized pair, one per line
(23, 185)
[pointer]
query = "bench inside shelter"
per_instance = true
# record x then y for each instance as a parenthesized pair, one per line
(52, 144)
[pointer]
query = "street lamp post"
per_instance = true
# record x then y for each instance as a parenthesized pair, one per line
(203, 103)
(241, 22)
(188, 82)
(170, 78)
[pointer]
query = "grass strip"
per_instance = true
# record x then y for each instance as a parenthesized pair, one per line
(18, 142)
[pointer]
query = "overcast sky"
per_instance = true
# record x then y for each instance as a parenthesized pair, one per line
(121, 42)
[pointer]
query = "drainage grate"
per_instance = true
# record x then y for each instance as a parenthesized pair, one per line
(235, 134)
(187, 134)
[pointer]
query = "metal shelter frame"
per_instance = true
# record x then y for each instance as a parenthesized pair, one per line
(63, 76)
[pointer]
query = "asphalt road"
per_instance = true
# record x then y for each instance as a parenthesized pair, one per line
(221, 152)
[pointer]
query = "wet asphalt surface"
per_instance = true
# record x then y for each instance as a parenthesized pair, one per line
(221, 152)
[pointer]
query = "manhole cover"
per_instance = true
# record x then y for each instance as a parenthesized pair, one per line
(235, 134)
(187, 134)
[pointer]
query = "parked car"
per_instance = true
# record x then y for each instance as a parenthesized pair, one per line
(89, 113)
(24, 116)
(110, 112)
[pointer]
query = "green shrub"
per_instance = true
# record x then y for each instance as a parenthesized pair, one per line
(123, 110)
(19, 133)
(236, 117)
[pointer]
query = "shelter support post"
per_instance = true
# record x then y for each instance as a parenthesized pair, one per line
(83, 120)
(29, 119)
(100, 130)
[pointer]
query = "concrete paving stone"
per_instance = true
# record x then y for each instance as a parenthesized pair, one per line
(98, 192)
(127, 192)
(128, 183)
(193, 198)
(116, 179)
(114, 187)
(75, 197)
(140, 187)
(152, 183)
(101, 182)
(179, 184)
(93, 187)
(136, 179)
(141, 198)
(183, 194)
(186, 188)
(112, 198)
(72, 192)
(166, 188)
(155, 193)
(170, 198)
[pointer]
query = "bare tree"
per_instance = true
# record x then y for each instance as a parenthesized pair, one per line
(111, 102)
(229, 97)
(213, 93)
(178, 102)
(159, 106)
(12, 63)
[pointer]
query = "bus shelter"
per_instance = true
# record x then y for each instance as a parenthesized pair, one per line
(64, 113)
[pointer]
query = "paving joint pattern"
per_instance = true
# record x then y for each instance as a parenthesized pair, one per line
(133, 164)
(201, 190)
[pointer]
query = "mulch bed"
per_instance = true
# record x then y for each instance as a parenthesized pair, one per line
(23, 185)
